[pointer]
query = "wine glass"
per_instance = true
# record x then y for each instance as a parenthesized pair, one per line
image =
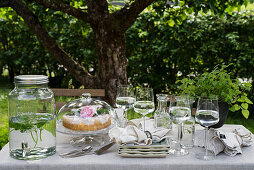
(144, 102)
(207, 115)
(125, 99)
(179, 111)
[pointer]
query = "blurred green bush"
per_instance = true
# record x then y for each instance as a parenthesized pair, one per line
(4, 128)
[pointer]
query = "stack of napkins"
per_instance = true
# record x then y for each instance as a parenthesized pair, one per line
(229, 143)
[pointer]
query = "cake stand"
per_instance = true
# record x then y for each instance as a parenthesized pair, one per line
(82, 108)
(84, 138)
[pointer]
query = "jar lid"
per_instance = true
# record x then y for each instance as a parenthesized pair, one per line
(31, 79)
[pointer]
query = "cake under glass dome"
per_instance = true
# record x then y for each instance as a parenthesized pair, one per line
(85, 116)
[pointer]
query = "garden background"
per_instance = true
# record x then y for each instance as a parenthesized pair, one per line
(160, 50)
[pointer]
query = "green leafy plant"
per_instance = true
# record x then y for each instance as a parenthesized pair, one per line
(30, 123)
(218, 83)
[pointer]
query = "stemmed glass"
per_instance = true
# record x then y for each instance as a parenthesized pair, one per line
(179, 111)
(207, 115)
(144, 102)
(125, 99)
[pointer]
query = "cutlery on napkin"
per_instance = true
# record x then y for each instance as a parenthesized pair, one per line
(158, 134)
(132, 134)
(129, 134)
(230, 143)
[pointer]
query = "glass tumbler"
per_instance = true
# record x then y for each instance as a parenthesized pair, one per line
(188, 131)
(31, 118)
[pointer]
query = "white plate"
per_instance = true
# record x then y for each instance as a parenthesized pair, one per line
(143, 146)
(161, 155)
(147, 149)
(143, 151)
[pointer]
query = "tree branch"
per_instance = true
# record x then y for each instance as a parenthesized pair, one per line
(128, 14)
(63, 7)
(4, 3)
(51, 45)
(97, 9)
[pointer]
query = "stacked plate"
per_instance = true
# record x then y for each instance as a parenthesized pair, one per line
(147, 151)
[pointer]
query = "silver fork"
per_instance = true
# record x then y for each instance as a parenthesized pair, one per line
(76, 153)
(87, 151)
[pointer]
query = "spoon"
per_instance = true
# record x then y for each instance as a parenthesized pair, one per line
(148, 134)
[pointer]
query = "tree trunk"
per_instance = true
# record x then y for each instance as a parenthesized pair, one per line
(112, 61)
(11, 73)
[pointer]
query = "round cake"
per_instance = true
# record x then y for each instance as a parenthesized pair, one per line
(86, 124)
(87, 118)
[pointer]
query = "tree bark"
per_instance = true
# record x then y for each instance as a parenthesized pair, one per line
(112, 62)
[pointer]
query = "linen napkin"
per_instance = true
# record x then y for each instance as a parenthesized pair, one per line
(158, 134)
(230, 143)
(133, 134)
(129, 134)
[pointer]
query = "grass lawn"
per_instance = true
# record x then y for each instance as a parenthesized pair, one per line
(4, 129)
(248, 123)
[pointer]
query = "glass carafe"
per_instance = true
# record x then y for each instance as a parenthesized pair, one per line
(161, 116)
(31, 118)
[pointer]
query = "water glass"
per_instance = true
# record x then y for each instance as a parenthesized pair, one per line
(207, 115)
(188, 131)
(144, 102)
(179, 111)
(125, 99)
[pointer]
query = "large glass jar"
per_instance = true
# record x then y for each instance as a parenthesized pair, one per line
(31, 118)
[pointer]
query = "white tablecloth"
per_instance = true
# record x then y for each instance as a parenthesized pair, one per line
(112, 161)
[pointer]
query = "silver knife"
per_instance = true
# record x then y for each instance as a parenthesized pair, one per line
(104, 148)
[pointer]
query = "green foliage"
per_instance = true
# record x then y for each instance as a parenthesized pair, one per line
(159, 54)
(25, 123)
(218, 83)
(248, 123)
(21, 53)
(4, 128)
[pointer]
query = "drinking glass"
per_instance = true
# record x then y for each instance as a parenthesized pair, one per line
(207, 115)
(179, 111)
(125, 99)
(144, 102)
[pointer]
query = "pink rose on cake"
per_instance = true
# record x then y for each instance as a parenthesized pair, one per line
(87, 111)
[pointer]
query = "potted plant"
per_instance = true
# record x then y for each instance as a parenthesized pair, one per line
(230, 92)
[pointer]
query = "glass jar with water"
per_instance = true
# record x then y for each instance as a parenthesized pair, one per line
(31, 118)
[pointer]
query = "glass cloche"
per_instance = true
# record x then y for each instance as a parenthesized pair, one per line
(85, 116)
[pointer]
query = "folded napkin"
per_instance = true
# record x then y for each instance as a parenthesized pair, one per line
(230, 143)
(129, 134)
(132, 133)
(158, 134)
